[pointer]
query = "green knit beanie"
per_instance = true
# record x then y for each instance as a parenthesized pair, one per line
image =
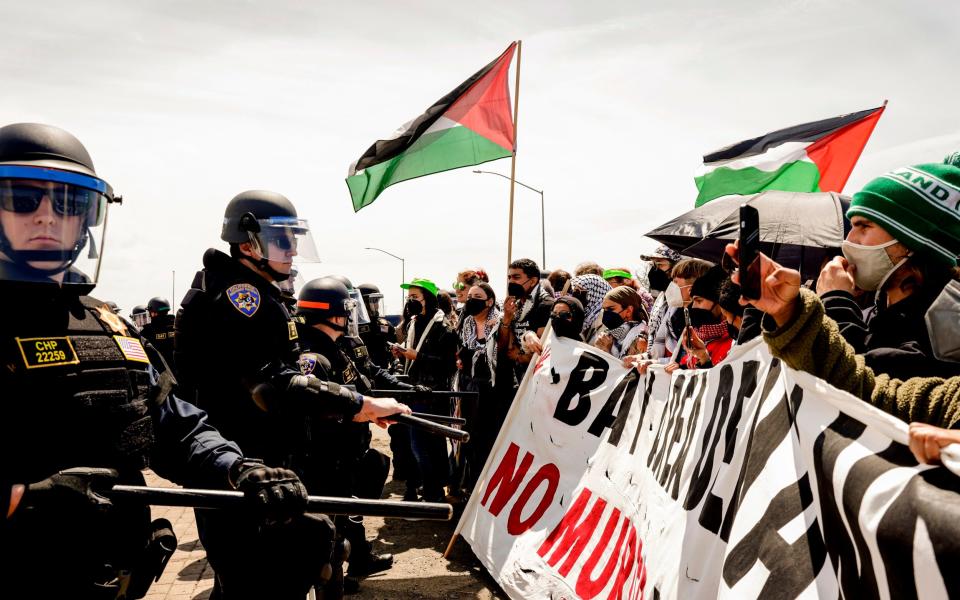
(919, 206)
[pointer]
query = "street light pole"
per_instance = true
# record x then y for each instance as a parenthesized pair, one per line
(403, 270)
(543, 225)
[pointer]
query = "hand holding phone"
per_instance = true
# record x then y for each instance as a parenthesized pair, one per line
(749, 258)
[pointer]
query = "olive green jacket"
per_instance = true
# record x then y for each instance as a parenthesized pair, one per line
(812, 342)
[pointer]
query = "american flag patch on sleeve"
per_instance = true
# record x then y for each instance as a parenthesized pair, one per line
(131, 348)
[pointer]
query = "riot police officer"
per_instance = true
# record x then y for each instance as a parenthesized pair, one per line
(139, 316)
(340, 461)
(237, 351)
(87, 404)
(380, 333)
(159, 330)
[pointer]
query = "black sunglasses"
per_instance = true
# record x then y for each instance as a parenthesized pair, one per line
(566, 316)
(66, 200)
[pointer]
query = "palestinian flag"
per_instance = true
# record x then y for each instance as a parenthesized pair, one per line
(813, 157)
(470, 125)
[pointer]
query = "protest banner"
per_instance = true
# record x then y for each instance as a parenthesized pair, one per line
(747, 480)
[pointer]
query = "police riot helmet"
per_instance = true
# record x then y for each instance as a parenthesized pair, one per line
(362, 316)
(322, 299)
(139, 315)
(269, 222)
(367, 289)
(372, 299)
(53, 207)
(158, 305)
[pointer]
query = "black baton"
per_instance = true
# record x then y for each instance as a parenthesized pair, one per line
(220, 499)
(446, 420)
(454, 434)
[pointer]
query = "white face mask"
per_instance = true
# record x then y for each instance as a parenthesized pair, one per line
(873, 264)
(674, 295)
(942, 318)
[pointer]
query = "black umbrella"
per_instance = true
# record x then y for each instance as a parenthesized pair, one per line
(796, 229)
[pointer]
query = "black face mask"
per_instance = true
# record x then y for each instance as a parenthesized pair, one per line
(580, 295)
(702, 316)
(414, 307)
(516, 290)
(733, 331)
(564, 327)
(658, 279)
(610, 319)
(677, 323)
(474, 306)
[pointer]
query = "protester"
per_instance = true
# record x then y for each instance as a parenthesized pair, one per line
(527, 308)
(429, 355)
(566, 321)
(446, 303)
(677, 295)
(658, 277)
(903, 245)
(707, 340)
(465, 279)
(590, 289)
(619, 276)
(625, 323)
(478, 359)
(798, 331)
(588, 268)
(558, 280)
(731, 309)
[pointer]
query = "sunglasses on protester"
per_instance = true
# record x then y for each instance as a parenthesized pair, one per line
(66, 200)
(459, 285)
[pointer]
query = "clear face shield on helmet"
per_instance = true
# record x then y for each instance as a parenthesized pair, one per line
(283, 239)
(353, 316)
(52, 224)
(140, 318)
(374, 304)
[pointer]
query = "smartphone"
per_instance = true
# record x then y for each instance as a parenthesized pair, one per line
(749, 258)
(686, 316)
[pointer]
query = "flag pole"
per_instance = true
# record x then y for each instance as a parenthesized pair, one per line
(513, 161)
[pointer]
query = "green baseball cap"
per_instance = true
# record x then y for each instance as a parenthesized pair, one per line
(616, 273)
(421, 283)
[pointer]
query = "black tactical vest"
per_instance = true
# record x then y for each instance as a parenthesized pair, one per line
(76, 392)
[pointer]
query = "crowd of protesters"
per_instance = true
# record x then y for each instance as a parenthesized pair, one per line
(882, 320)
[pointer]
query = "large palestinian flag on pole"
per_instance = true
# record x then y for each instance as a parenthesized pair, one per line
(470, 125)
(813, 157)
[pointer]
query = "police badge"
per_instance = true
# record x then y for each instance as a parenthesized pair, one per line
(245, 298)
(307, 363)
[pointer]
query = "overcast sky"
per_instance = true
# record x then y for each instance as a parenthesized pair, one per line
(184, 104)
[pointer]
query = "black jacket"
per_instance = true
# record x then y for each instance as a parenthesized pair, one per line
(237, 351)
(893, 339)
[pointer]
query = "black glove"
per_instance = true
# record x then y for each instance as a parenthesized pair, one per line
(422, 389)
(277, 495)
(72, 488)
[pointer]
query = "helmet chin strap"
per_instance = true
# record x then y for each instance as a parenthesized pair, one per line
(23, 258)
(263, 263)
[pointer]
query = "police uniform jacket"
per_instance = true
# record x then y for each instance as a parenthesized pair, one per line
(237, 351)
(81, 389)
(160, 333)
(335, 446)
(377, 336)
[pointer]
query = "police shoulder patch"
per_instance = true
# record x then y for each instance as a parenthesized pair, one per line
(307, 363)
(47, 352)
(131, 348)
(245, 298)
